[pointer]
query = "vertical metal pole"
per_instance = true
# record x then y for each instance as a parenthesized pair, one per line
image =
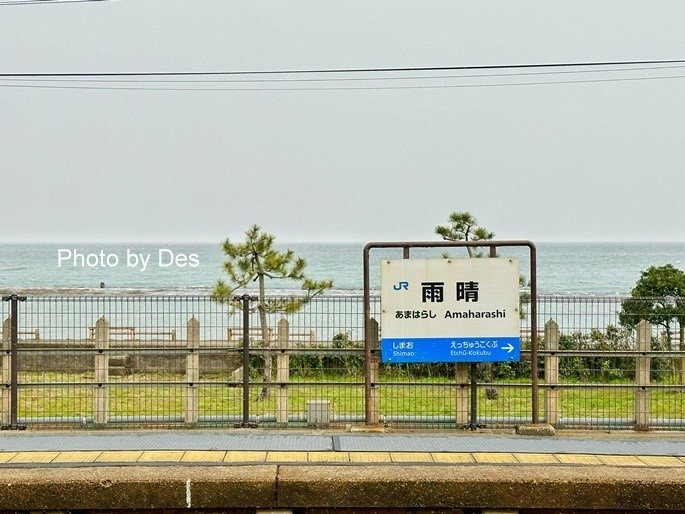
(14, 348)
(246, 359)
(368, 413)
(534, 332)
(14, 359)
(473, 422)
(473, 373)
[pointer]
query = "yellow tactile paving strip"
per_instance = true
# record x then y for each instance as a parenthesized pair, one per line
(211, 457)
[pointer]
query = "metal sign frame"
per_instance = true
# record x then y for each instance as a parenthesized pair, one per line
(372, 354)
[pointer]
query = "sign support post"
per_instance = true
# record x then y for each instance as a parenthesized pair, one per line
(473, 421)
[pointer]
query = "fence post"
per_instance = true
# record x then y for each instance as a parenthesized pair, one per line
(6, 372)
(462, 396)
(192, 371)
(642, 372)
(373, 408)
(552, 373)
(282, 372)
(101, 338)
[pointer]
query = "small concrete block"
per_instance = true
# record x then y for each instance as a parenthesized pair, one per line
(119, 456)
(537, 429)
(77, 456)
(203, 456)
(578, 459)
(537, 458)
(318, 412)
(33, 457)
(329, 457)
(662, 461)
(411, 457)
(370, 457)
(495, 458)
(161, 456)
(620, 460)
(453, 458)
(238, 456)
(286, 457)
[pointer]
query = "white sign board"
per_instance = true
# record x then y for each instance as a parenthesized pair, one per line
(450, 310)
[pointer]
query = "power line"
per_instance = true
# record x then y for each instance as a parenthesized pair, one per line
(354, 88)
(103, 81)
(71, 80)
(341, 70)
(46, 2)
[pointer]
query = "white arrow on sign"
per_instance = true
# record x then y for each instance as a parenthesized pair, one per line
(509, 348)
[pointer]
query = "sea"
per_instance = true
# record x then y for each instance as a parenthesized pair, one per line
(173, 268)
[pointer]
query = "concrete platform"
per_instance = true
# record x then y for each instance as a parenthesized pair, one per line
(249, 470)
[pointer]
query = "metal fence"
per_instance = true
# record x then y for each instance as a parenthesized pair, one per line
(163, 361)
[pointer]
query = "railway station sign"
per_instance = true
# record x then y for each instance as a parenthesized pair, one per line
(450, 310)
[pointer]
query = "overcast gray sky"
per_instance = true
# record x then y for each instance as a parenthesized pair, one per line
(586, 157)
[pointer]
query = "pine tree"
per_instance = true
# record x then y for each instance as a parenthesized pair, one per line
(256, 259)
(464, 227)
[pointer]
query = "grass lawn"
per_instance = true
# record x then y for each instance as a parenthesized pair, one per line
(67, 395)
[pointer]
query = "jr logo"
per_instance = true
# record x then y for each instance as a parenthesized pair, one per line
(401, 285)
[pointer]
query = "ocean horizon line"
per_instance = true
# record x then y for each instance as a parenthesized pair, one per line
(562, 267)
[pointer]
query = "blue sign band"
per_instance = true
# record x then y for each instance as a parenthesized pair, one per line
(450, 349)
